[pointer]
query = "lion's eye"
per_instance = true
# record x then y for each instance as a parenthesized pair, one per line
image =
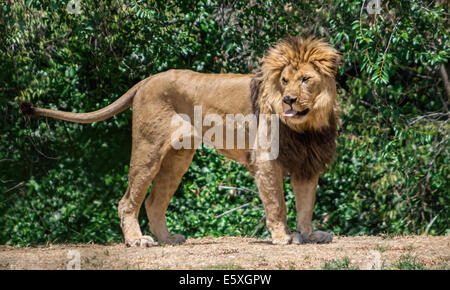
(305, 79)
(284, 81)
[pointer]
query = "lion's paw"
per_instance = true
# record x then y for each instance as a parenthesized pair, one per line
(174, 240)
(282, 241)
(297, 238)
(143, 242)
(319, 237)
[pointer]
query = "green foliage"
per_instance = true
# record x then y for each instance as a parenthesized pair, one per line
(408, 262)
(340, 264)
(61, 182)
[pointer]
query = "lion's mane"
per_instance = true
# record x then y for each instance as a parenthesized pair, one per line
(308, 151)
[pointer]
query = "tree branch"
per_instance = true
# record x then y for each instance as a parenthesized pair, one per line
(444, 76)
(221, 187)
(231, 210)
(15, 187)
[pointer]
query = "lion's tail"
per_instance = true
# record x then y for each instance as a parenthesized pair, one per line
(117, 107)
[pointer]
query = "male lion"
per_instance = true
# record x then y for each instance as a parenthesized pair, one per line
(296, 81)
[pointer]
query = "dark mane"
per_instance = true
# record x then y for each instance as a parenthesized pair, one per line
(307, 153)
(255, 85)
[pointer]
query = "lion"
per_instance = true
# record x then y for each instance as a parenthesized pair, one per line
(295, 83)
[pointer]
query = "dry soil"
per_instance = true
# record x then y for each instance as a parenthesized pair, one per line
(361, 252)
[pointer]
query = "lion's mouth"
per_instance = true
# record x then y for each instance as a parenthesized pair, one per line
(291, 113)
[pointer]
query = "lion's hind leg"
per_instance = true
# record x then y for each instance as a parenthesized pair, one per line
(166, 182)
(144, 165)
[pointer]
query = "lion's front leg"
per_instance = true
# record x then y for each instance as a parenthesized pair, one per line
(269, 179)
(305, 197)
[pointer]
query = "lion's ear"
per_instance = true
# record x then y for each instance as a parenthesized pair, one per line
(327, 62)
(323, 56)
(336, 62)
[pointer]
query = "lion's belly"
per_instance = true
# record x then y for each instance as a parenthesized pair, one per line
(240, 155)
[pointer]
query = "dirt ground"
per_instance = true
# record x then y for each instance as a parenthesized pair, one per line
(363, 252)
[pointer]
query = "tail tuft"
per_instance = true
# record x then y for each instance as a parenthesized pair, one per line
(27, 108)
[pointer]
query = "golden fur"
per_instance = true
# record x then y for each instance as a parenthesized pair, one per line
(293, 59)
(302, 71)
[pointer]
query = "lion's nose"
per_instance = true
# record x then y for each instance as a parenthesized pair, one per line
(289, 100)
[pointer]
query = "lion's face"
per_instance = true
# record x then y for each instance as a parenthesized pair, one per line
(305, 97)
(300, 85)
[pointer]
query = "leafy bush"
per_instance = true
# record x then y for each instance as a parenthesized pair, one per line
(61, 182)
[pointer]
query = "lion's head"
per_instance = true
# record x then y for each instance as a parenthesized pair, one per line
(297, 81)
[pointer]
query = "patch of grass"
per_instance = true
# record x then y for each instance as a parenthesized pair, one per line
(340, 264)
(290, 266)
(92, 262)
(385, 236)
(223, 267)
(381, 249)
(408, 262)
(4, 266)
